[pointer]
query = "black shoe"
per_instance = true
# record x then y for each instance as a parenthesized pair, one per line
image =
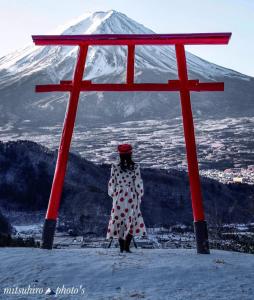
(121, 244)
(127, 243)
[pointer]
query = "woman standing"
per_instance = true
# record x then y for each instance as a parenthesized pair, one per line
(126, 188)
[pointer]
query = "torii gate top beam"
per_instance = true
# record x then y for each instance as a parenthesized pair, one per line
(134, 39)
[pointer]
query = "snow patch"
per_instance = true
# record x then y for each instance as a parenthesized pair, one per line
(144, 274)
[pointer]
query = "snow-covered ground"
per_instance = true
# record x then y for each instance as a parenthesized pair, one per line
(144, 274)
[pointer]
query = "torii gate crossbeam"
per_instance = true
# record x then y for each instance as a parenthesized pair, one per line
(183, 85)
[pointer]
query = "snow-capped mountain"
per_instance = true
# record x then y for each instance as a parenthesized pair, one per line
(21, 70)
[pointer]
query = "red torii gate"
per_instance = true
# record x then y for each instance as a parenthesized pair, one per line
(183, 85)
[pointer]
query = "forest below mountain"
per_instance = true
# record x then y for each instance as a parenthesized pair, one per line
(26, 175)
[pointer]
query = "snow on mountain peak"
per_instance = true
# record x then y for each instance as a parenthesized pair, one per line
(101, 22)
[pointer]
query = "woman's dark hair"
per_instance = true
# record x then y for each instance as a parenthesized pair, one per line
(126, 162)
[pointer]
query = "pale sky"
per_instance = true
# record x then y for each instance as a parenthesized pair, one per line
(19, 19)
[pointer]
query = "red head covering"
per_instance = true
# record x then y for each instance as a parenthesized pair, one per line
(124, 148)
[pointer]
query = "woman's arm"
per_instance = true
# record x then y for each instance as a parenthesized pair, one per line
(139, 182)
(112, 181)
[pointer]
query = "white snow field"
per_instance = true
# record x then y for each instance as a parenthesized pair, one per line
(144, 274)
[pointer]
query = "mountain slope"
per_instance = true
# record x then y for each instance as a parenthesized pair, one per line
(22, 70)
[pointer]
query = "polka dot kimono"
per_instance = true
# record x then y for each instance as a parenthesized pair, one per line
(126, 189)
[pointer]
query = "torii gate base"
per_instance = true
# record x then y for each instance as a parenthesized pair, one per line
(183, 85)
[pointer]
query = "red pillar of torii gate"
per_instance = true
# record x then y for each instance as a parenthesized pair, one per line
(183, 85)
